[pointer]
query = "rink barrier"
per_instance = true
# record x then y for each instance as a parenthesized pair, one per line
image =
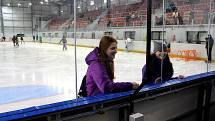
(185, 54)
(172, 55)
(188, 54)
(97, 104)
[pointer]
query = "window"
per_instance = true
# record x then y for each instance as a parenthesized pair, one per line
(129, 34)
(108, 33)
(82, 35)
(50, 35)
(56, 35)
(196, 36)
(20, 35)
(44, 35)
(157, 35)
(93, 35)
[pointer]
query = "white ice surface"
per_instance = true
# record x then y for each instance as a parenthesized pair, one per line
(46, 64)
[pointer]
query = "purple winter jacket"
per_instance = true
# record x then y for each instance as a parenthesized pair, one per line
(97, 79)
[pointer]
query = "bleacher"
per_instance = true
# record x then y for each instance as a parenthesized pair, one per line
(56, 23)
(87, 18)
(118, 16)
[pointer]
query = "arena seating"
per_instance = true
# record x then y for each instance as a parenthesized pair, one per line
(134, 15)
(56, 23)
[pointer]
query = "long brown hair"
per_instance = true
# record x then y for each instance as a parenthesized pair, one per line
(105, 42)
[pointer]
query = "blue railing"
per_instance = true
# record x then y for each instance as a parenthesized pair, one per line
(93, 100)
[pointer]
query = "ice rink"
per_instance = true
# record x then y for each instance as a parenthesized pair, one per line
(35, 74)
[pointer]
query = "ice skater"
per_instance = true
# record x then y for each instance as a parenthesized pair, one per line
(3, 38)
(17, 40)
(22, 40)
(64, 41)
(33, 38)
(40, 39)
(14, 40)
(127, 44)
(208, 47)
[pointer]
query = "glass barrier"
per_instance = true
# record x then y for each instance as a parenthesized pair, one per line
(68, 37)
(209, 38)
(182, 31)
(177, 37)
(126, 23)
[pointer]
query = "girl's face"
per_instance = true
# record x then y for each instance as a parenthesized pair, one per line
(112, 50)
(161, 55)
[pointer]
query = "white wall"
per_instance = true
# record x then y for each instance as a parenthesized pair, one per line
(139, 43)
(139, 46)
(17, 20)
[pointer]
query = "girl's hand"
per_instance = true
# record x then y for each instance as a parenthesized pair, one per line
(158, 80)
(181, 77)
(135, 85)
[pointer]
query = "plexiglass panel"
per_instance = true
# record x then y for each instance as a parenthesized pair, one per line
(185, 27)
(125, 22)
(67, 33)
(209, 38)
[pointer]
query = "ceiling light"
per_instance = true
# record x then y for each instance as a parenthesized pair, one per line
(19, 4)
(91, 2)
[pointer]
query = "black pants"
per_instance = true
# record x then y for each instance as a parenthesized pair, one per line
(209, 50)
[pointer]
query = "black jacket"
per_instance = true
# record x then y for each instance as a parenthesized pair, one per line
(156, 69)
(209, 41)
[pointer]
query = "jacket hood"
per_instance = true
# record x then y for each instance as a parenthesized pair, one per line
(92, 56)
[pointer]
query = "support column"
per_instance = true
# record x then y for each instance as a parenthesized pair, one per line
(124, 113)
(200, 104)
(108, 4)
(32, 22)
(2, 20)
(207, 101)
(72, 7)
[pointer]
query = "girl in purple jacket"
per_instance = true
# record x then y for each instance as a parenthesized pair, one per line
(100, 73)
